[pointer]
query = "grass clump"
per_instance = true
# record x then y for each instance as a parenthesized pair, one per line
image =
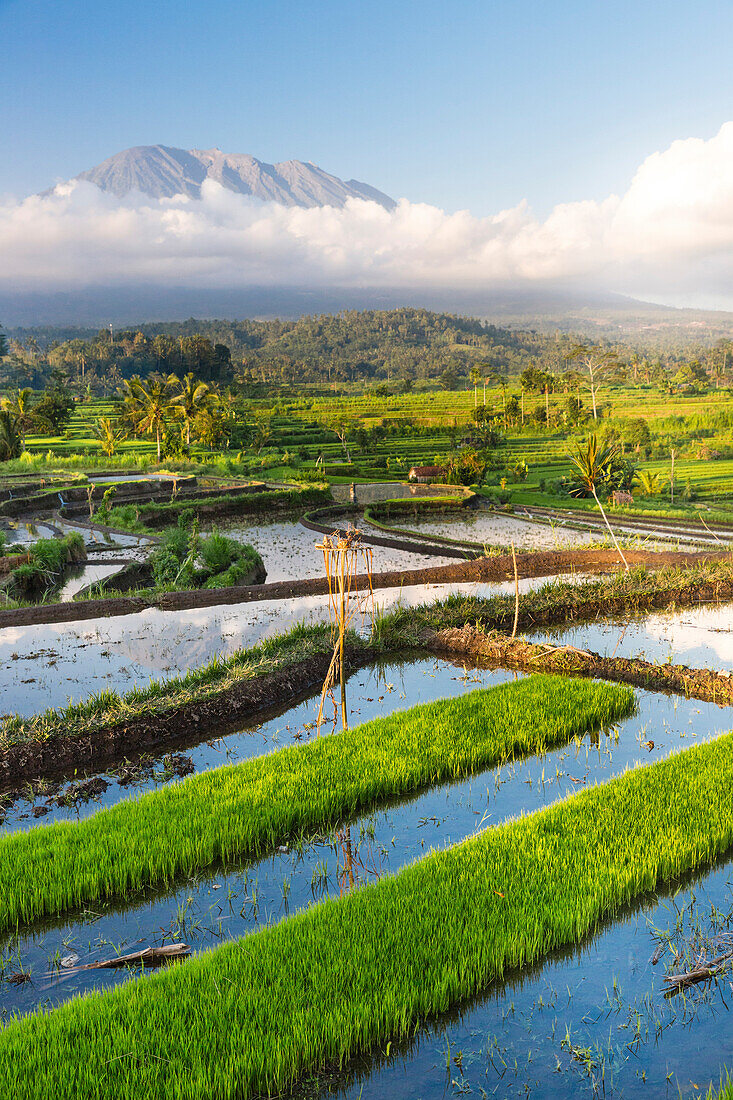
(107, 708)
(351, 973)
(184, 559)
(43, 573)
(248, 808)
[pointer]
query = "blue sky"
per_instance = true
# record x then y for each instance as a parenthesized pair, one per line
(461, 104)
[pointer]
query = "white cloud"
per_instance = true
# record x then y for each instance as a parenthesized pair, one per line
(670, 235)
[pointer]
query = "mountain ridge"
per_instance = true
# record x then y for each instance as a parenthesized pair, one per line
(162, 171)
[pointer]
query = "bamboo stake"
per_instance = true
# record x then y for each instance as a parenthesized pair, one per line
(516, 593)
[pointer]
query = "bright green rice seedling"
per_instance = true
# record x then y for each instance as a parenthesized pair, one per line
(248, 808)
(352, 973)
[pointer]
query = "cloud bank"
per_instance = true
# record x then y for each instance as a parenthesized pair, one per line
(670, 236)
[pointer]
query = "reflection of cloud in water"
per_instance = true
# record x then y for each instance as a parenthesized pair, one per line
(701, 637)
(704, 631)
(48, 664)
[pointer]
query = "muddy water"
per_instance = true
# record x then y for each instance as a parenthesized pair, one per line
(222, 904)
(289, 550)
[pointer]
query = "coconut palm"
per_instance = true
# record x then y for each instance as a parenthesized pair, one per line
(10, 441)
(651, 484)
(148, 405)
(475, 377)
(194, 397)
(108, 434)
(592, 461)
(18, 404)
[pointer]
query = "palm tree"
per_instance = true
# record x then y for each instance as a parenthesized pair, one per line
(10, 442)
(194, 397)
(108, 435)
(18, 404)
(475, 377)
(148, 406)
(591, 462)
(651, 484)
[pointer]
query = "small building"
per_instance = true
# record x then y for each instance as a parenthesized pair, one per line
(620, 497)
(424, 474)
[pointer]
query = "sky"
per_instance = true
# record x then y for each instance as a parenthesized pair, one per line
(549, 110)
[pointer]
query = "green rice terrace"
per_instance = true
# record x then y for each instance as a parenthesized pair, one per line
(367, 721)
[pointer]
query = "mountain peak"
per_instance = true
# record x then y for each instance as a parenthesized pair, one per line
(162, 171)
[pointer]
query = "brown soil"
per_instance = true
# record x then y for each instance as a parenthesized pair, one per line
(187, 723)
(500, 650)
(493, 569)
(12, 561)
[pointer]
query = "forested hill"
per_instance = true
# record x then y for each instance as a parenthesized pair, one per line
(391, 344)
(363, 344)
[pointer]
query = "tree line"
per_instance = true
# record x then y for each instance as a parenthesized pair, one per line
(390, 350)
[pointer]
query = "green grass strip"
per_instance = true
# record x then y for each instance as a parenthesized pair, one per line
(248, 808)
(353, 972)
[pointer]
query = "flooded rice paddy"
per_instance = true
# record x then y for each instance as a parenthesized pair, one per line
(289, 550)
(700, 637)
(49, 664)
(23, 533)
(492, 529)
(589, 1021)
(226, 902)
(488, 528)
(78, 577)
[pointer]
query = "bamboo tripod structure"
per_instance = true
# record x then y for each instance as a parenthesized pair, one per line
(343, 552)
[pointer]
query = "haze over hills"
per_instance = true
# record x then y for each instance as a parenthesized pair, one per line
(161, 172)
(595, 315)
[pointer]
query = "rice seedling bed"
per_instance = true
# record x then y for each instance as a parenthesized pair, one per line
(590, 1020)
(366, 968)
(246, 809)
(254, 893)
